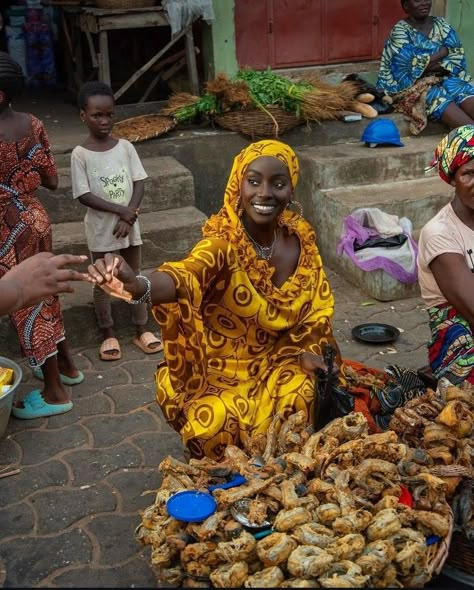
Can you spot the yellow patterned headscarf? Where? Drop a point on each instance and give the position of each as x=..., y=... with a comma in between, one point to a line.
x=225, y=223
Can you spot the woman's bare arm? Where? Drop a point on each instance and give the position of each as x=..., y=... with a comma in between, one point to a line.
x=456, y=282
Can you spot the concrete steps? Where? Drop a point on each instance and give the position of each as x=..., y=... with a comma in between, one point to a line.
x=338, y=179
x=170, y=225
x=354, y=163
x=167, y=235
x=170, y=186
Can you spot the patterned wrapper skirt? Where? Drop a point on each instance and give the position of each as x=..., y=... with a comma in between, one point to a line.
x=451, y=349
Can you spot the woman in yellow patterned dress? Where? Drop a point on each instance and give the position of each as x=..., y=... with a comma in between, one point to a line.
x=245, y=316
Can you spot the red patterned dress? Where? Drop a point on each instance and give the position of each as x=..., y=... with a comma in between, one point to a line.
x=25, y=230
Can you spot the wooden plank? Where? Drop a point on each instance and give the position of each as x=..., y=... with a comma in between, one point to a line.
x=67, y=36
x=131, y=21
x=112, y=11
x=148, y=64
x=90, y=43
x=171, y=71
x=104, y=69
x=191, y=61
x=87, y=22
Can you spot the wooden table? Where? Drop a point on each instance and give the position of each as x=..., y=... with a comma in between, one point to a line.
x=96, y=22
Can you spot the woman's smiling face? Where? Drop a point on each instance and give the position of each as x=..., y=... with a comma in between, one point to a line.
x=266, y=190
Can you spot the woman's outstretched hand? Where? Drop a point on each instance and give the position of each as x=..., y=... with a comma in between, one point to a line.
x=114, y=276
x=310, y=363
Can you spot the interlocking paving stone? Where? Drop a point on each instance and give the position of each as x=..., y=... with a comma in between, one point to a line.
x=15, y=425
x=10, y=452
x=30, y=559
x=57, y=511
x=37, y=445
x=129, y=352
x=91, y=465
x=136, y=573
x=87, y=406
x=143, y=371
x=131, y=484
x=156, y=447
x=110, y=430
x=96, y=382
x=130, y=397
x=30, y=479
x=115, y=535
x=18, y=519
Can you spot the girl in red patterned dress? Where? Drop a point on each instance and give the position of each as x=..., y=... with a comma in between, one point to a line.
x=26, y=163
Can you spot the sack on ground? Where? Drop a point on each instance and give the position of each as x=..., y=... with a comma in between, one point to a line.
x=365, y=224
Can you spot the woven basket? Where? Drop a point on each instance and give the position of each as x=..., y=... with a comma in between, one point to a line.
x=258, y=123
x=124, y=3
x=143, y=127
x=461, y=554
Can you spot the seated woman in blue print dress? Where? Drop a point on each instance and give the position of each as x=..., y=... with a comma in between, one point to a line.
x=423, y=67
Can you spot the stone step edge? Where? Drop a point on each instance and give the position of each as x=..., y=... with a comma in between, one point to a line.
x=430, y=181
x=148, y=222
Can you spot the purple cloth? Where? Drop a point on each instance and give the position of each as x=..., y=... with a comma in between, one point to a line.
x=354, y=232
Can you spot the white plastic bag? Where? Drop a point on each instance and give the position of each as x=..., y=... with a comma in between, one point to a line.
x=181, y=13
x=399, y=262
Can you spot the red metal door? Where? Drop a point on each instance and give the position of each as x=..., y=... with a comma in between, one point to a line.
x=348, y=27
x=388, y=14
x=284, y=33
x=296, y=32
x=251, y=19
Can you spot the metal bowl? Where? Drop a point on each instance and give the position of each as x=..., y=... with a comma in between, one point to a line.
x=240, y=512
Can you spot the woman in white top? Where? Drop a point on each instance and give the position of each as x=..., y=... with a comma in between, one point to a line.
x=446, y=263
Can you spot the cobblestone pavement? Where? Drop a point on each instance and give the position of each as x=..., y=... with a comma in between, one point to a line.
x=68, y=518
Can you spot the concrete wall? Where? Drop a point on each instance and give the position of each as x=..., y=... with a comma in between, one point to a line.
x=460, y=13
x=219, y=41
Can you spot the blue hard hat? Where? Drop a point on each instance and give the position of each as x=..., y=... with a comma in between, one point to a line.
x=381, y=131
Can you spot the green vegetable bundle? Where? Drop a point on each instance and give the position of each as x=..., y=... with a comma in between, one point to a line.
x=267, y=88
x=186, y=107
x=309, y=98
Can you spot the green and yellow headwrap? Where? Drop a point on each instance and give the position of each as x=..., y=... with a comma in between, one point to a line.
x=453, y=151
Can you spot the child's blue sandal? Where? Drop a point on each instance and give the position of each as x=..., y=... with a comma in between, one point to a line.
x=38, y=373
x=35, y=406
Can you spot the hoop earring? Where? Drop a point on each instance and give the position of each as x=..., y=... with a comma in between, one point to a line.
x=238, y=209
x=298, y=205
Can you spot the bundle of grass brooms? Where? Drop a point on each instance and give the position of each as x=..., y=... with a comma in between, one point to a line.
x=262, y=103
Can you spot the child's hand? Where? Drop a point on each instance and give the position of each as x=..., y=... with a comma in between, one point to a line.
x=122, y=229
x=128, y=215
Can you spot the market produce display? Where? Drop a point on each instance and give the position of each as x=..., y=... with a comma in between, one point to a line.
x=257, y=103
x=337, y=508
x=263, y=103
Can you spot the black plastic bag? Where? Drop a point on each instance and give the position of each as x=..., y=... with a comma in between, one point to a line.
x=380, y=242
x=364, y=86
x=330, y=400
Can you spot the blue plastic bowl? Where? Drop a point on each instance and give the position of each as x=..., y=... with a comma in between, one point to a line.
x=191, y=506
